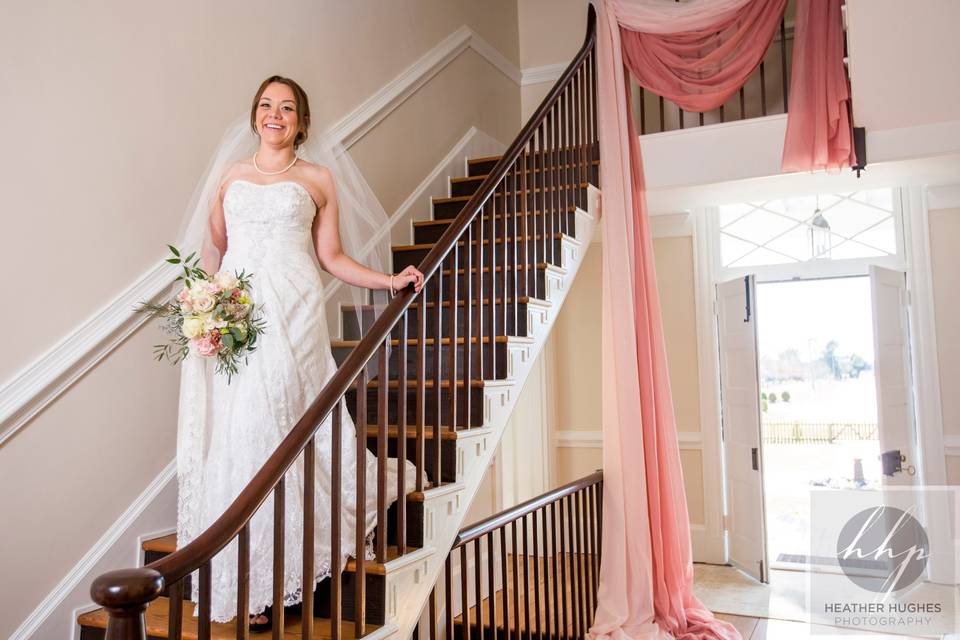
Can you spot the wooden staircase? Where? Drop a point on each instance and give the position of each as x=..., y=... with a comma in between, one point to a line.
x=433, y=380
x=464, y=452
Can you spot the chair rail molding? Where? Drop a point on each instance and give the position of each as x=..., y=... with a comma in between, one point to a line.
x=33, y=388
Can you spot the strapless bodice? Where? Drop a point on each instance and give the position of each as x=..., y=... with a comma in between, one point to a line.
x=267, y=220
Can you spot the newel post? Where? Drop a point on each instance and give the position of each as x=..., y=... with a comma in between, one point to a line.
x=125, y=595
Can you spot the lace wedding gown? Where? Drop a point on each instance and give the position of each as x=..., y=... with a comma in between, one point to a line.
x=268, y=230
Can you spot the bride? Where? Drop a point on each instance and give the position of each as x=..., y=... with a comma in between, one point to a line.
x=277, y=216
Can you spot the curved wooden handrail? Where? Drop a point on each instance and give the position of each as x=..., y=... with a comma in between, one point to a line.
x=507, y=516
x=115, y=588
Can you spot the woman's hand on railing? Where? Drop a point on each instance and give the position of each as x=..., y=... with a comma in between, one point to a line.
x=409, y=275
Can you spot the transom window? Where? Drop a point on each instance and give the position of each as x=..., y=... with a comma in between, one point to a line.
x=861, y=224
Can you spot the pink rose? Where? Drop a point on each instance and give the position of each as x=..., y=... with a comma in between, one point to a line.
x=208, y=345
x=184, y=295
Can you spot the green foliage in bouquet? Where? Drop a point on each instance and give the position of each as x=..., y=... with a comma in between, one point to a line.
x=213, y=316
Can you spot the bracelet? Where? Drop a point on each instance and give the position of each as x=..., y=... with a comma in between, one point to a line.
x=393, y=291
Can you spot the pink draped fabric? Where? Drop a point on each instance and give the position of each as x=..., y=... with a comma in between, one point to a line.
x=819, y=134
x=697, y=54
x=699, y=70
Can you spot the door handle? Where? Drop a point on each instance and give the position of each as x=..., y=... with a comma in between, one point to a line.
x=756, y=459
x=746, y=290
x=891, y=462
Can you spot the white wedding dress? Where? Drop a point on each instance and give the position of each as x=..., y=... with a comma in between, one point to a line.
x=269, y=235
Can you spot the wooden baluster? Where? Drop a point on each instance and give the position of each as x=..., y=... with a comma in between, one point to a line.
x=588, y=555
x=578, y=556
x=279, y=509
x=309, y=519
x=504, y=581
x=492, y=306
x=536, y=574
x=563, y=182
x=175, y=614
x=448, y=594
x=468, y=333
x=743, y=105
x=537, y=188
x=643, y=112
x=383, y=396
x=569, y=581
x=585, y=164
x=516, y=580
x=479, y=321
x=783, y=61
x=509, y=249
x=600, y=520
x=526, y=579
x=336, y=511
x=465, y=594
x=594, y=557
x=402, y=436
x=518, y=257
x=437, y=362
x=547, y=184
x=491, y=586
x=595, y=140
x=557, y=183
x=581, y=139
x=663, y=125
x=561, y=577
x=525, y=251
x=433, y=613
x=763, y=90
x=243, y=583
x=203, y=620
x=421, y=382
x=360, y=574
x=453, y=332
x=578, y=176
x=478, y=584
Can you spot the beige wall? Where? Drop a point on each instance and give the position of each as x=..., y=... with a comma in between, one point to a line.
x=945, y=264
x=903, y=62
x=112, y=111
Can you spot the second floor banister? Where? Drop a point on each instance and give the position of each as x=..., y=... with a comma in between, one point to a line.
x=509, y=228
x=529, y=571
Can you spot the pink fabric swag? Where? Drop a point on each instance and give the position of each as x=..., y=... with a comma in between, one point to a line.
x=697, y=54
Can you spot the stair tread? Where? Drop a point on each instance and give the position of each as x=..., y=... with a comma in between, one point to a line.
x=495, y=158
x=498, y=269
x=168, y=544
x=411, y=342
x=446, y=303
x=551, y=189
x=446, y=433
x=444, y=221
x=481, y=178
x=156, y=620
x=412, y=383
x=430, y=245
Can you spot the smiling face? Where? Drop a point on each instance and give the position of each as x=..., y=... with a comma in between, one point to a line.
x=280, y=115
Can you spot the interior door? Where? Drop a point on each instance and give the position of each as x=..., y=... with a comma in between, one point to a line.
x=742, y=441
x=891, y=343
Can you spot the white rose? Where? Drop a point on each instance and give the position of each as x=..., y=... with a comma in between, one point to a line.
x=204, y=302
x=226, y=280
x=211, y=324
x=192, y=327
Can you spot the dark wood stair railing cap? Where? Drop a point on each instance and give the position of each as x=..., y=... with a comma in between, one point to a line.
x=126, y=587
x=127, y=590
x=507, y=516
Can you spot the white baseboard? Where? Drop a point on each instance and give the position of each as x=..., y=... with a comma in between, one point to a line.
x=153, y=510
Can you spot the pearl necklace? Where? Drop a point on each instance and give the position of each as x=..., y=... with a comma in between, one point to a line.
x=272, y=173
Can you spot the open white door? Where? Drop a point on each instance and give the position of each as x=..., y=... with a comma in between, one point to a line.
x=891, y=342
x=742, y=442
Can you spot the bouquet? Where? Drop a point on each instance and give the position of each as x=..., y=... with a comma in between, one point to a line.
x=212, y=317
